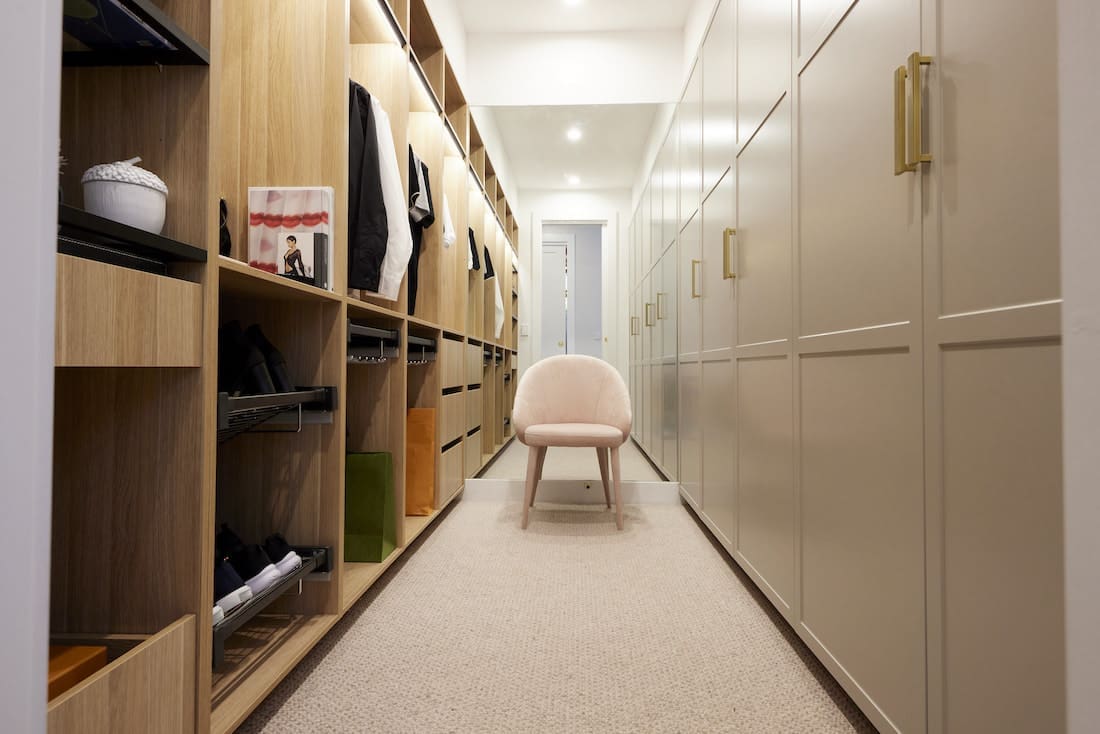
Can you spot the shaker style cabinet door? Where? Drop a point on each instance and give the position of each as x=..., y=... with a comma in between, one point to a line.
x=691, y=146
x=859, y=367
x=719, y=101
x=690, y=252
x=763, y=60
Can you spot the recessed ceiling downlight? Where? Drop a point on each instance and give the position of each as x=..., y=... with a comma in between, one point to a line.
x=574, y=134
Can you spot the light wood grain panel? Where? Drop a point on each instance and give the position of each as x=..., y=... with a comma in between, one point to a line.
x=472, y=449
x=452, y=419
x=450, y=473
x=370, y=23
x=451, y=360
x=455, y=275
x=151, y=688
x=473, y=408
x=475, y=310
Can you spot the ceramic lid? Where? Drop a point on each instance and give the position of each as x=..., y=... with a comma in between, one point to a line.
x=125, y=172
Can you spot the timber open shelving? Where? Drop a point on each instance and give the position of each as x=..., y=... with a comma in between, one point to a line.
x=139, y=458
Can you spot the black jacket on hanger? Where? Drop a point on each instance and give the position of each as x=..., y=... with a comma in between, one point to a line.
x=473, y=251
x=368, y=228
x=489, y=272
x=421, y=217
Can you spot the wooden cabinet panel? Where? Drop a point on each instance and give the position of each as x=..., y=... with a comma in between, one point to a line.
x=150, y=688
x=472, y=449
x=719, y=89
x=862, y=524
x=762, y=256
x=763, y=60
x=717, y=421
x=450, y=473
x=691, y=146
x=691, y=289
x=860, y=226
x=1003, y=590
x=717, y=291
x=690, y=432
x=452, y=419
x=473, y=408
x=474, y=362
x=765, y=476
x=451, y=356
x=994, y=139
x=108, y=316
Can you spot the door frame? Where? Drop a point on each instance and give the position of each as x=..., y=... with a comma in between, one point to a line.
x=609, y=259
x=568, y=243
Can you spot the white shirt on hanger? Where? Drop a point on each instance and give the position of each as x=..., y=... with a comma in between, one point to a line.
x=399, y=242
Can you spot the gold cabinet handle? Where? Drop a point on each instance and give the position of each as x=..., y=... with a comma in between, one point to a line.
x=694, y=293
x=635, y=327
x=660, y=307
x=728, y=238
x=900, y=164
x=648, y=320
x=916, y=138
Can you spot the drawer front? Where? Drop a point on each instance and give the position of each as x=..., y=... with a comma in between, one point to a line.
x=450, y=473
x=452, y=418
x=472, y=446
x=473, y=364
x=473, y=409
x=451, y=354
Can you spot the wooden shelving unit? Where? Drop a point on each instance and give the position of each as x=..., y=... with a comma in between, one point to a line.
x=139, y=462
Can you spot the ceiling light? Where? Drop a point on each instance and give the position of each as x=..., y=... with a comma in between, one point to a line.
x=573, y=180
x=574, y=134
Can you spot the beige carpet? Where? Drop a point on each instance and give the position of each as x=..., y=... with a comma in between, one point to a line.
x=570, y=463
x=568, y=627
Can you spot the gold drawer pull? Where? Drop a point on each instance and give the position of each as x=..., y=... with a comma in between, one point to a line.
x=729, y=236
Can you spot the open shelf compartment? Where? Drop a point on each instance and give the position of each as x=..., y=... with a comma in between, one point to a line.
x=129, y=33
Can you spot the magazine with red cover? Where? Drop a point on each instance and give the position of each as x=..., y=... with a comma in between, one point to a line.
x=282, y=222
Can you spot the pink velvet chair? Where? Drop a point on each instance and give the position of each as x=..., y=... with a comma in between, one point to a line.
x=572, y=400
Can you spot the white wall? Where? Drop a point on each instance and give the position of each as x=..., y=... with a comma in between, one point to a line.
x=30, y=53
x=611, y=206
x=574, y=68
x=585, y=285
x=1079, y=113
x=494, y=146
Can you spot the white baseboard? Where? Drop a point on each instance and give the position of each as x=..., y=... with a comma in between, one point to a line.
x=570, y=492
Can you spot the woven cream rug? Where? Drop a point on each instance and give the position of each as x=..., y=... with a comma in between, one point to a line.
x=567, y=627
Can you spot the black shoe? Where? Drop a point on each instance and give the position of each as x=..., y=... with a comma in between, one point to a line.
x=242, y=369
x=279, y=551
x=226, y=541
x=257, y=570
x=276, y=363
x=229, y=590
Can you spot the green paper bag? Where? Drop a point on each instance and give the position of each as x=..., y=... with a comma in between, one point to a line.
x=370, y=522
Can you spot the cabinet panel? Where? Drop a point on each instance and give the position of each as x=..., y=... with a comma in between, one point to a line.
x=656, y=398
x=859, y=224
x=451, y=358
x=670, y=189
x=762, y=258
x=862, y=523
x=670, y=420
x=718, y=425
x=473, y=364
x=452, y=418
x=765, y=479
x=812, y=16
x=690, y=432
x=668, y=318
x=450, y=473
x=656, y=213
x=717, y=291
x=763, y=60
x=1003, y=591
x=995, y=148
x=719, y=109
x=691, y=288
x=473, y=408
x=472, y=450
x=691, y=146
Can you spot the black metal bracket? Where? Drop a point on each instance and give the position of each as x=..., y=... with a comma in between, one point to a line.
x=236, y=415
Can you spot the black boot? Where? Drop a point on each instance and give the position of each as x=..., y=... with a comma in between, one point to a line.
x=242, y=369
x=276, y=363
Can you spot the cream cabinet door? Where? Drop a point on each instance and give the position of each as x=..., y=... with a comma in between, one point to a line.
x=690, y=431
x=719, y=85
x=645, y=258
x=670, y=190
x=993, y=368
x=670, y=419
x=691, y=289
x=691, y=146
x=763, y=60
x=668, y=307
x=715, y=288
x=859, y=369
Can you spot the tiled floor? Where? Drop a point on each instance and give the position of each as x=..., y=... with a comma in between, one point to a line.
x=565, y=463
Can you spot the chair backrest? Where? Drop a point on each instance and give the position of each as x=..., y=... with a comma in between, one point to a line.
x=571, y=388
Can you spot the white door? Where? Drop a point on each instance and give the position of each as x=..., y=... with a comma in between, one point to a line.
x=555, y=299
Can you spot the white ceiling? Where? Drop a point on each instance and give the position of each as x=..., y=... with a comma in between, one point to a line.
x=557, y=16
x=607, y=156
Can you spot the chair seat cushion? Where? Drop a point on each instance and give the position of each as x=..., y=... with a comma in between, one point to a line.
x=574, y=434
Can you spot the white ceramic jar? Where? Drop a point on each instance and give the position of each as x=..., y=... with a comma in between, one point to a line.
x=126, y=193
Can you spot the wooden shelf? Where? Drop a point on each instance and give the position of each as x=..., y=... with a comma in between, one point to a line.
x=241, y=279
x=256, y=659
x=120, y=45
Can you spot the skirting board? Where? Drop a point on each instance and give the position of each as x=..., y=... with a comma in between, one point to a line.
x=570, y=492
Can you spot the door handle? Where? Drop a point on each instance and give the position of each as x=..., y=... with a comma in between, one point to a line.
x=660, y=307
x=648, y=321
x=908, y=133
x=694, y=294
x=635, y=326
x=729, y=237
x=561, y=344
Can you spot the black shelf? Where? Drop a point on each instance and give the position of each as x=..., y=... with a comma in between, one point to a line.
x=86, y=235
x=314, y=560
x=131, y=39
x=237, y=415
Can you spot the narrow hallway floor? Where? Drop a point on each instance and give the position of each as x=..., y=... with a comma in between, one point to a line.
x=571, y=463
x=570, y=626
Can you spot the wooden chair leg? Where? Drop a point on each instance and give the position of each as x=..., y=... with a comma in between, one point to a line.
x=601, y=454
x=616, y=470
x=538, y=473
x=532, y=480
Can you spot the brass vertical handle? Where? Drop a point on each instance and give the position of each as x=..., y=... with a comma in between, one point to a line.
x=648, y=321
x=727, y=257
x=901, y=164
x=694, y=294
x=660, y=307
x=916, y=154
x=635, y=326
